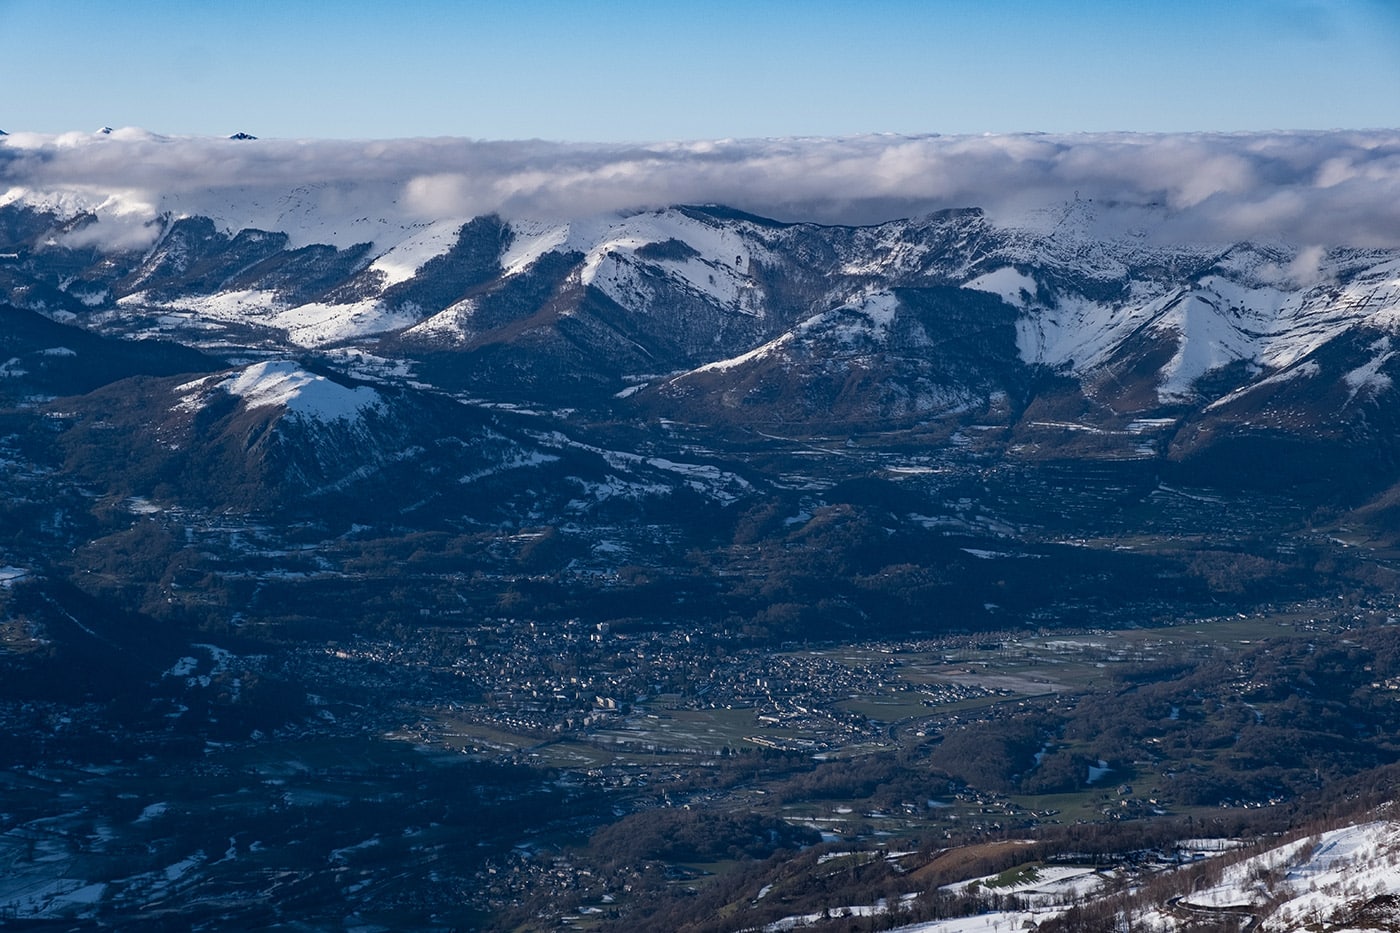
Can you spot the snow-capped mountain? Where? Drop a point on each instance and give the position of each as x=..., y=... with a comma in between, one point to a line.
x=1070, y=328
x=275, y=435
x=701, y=285
x=1345, y=879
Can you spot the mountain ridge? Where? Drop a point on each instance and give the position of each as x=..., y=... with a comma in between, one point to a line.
x=710, y=314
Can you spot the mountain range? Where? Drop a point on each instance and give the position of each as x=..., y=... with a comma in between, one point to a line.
x=1198, y=358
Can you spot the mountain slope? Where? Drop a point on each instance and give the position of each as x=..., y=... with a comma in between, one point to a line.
x=1082, y=343
x=273, y=435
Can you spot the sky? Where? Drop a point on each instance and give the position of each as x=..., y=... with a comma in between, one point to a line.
x=625, y=71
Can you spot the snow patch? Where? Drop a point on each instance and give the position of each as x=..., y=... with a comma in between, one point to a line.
x=757, y=353
x=1368, y=377
x=318, y=323
x=449, y=324
x=871, y=317
x=1011, y=285
x=152, y=812
x=403, y=261
x=284, y=384
x=1310, y=877
x=1304, y=370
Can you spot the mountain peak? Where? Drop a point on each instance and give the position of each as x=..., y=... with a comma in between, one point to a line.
x=284, y=384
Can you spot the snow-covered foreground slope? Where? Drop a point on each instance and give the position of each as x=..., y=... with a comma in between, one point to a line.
x=283, y=384
x=1326, y=878
x=1340, y=881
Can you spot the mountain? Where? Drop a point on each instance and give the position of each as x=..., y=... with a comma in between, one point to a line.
x=43, y=356
x=888, y=357
x=1077, y=342
x=274, y=436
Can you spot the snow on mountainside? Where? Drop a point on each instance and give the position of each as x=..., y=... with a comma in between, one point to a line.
x=313, y=324
x=888, y=354
x=1312, y=880
x=1246, y=307
x=404, y=260
x=1342, y=881
x=285, y=385
x=719, y=310
x=275, y=435
x=639, y=261
x=706, y=257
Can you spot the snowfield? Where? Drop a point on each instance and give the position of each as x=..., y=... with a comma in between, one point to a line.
x=284, y=384
x=1310, y=878
x=1309, y=884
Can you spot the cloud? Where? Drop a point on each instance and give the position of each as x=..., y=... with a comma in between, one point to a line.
x=1337, y=188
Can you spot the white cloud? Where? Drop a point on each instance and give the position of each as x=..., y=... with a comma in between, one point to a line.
x=1339, y=188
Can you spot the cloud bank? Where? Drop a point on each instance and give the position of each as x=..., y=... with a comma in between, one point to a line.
x=1334, y=188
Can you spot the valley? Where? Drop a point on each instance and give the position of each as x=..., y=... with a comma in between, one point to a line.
x=496, y=761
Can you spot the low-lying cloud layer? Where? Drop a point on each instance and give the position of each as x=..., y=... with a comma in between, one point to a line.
x=1333, y=188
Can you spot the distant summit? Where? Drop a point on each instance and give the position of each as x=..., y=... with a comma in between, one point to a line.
x=242, y=136
x=104, y=131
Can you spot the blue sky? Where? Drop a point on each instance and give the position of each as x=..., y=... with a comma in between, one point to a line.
x=647, y=71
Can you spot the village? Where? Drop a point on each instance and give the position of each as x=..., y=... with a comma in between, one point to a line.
x=522, y=688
